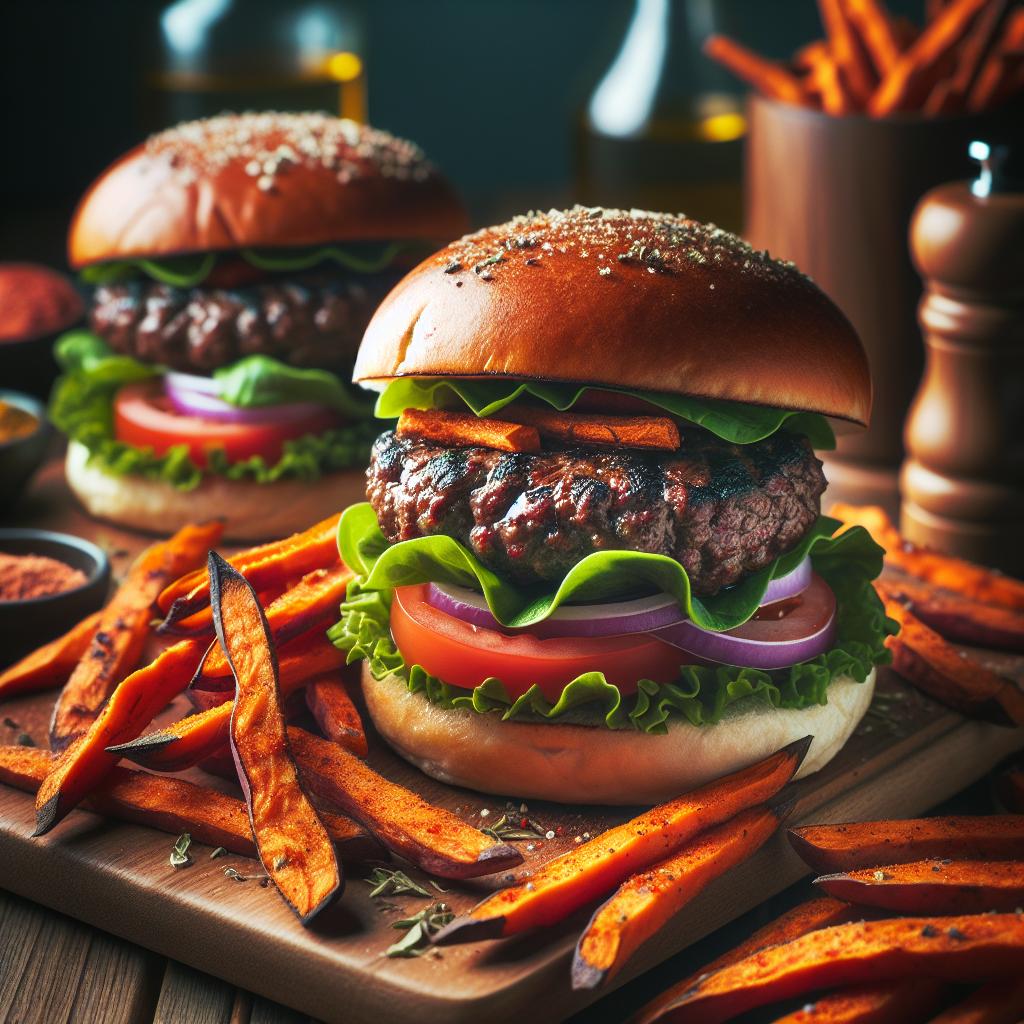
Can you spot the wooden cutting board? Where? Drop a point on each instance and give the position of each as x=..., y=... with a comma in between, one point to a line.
x=119, y=878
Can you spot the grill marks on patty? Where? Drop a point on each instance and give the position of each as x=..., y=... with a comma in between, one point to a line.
x=311, y=320
x=721, y=510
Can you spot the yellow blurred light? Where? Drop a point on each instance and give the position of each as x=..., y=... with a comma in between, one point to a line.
x=344, y=66
x=722, y=127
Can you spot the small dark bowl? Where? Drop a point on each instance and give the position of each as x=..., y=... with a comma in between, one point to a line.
x=25, y=625
x=22, y=456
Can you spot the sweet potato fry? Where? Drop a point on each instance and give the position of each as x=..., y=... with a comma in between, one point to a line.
x=51, y=664
x=120, y=634
x=885, y=1002
x=922, y=657
x=431, y=837
x=938, y=886
x=907, y=85
x=1003, y=72
x=265, y=567
x=971, y=56
x=998, y=1002
x=852, y=59
x=196, y=737
x=764, y=75
x=865, y=844
x=944, y=571
x=456, y=428
x=959, y=618
x=313, y=601
x=174, y=805
x=822, y=912
x=328, y=700
x=291, y=840
x=877, y=31
x=658, y=432
x=646, y=901
x=956, y=949
x=131, y=707
x=826, y=82
x=585, y=874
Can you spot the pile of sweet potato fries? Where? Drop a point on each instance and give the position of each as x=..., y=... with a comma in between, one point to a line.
x=242, y=637
x=851, y=961
x=938, y=599
x=969, y=56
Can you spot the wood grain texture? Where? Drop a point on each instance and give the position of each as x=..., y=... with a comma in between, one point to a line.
x=55, y=970
x=117, y=876
x=190, y=995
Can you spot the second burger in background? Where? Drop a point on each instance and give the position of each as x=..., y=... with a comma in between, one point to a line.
x=237, y=261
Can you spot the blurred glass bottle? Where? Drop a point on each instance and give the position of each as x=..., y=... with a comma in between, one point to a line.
x=663, y=128
x=217, y=55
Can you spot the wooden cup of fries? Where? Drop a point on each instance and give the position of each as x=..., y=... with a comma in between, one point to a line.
x=843, y=140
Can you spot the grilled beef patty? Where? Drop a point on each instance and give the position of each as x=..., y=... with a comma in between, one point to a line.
x=722, y=510
x=313, y=320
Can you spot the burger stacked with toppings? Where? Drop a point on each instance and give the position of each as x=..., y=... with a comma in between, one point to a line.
x=593, y=567
x=236, y=263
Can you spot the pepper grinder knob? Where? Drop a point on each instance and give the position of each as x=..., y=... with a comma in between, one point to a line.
x=962, y=482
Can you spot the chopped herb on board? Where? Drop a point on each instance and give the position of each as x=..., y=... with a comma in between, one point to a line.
x=387, y=882
x=420, y=927
x=179, y=855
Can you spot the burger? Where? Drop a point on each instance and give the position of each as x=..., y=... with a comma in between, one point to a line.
x=592, y=567
x=236, y=262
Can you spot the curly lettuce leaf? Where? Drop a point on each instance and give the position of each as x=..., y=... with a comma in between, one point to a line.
x=701, y=696
x=81, y=405
x=190, y=270
x=735, y=422
x=600, y=576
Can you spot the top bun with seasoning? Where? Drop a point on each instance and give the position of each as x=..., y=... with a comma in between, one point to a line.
x=634, y=299
x=262, y=180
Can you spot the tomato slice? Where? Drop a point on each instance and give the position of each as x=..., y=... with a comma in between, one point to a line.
x=145, y=418
x=465, y=655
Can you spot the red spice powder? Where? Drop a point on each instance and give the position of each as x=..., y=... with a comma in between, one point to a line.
x=27, y=576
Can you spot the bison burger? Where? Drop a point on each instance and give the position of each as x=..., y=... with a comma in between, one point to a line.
x=593, y=567
x=237, y=261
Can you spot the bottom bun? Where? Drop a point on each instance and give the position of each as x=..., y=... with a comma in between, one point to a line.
x=252, y=511
x=585, y=765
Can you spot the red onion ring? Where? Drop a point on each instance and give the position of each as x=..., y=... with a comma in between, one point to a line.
x=642, y=615
x=197, y=396
x=746, y=647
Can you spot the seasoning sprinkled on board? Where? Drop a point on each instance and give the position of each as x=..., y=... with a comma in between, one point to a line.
x=652, y=243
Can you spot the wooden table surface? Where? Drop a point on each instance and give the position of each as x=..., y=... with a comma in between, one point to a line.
x=54, y=968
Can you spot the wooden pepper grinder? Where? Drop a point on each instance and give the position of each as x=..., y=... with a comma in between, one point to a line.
x=962, y=482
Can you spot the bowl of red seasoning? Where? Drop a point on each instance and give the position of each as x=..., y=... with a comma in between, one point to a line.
x=49, y=582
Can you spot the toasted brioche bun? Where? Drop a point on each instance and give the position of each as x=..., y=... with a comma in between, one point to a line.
x=253, y=180
x=629, y=300
x=251, y=511
x=586, y=765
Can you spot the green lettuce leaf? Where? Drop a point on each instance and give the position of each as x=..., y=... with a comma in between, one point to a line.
x=600, y=576
x=736, y=422
x=262, y=380
x=702, y=695
x=191, y=270
x=81, y=405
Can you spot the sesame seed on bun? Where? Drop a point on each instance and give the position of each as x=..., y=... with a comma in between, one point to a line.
x=262, y=179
